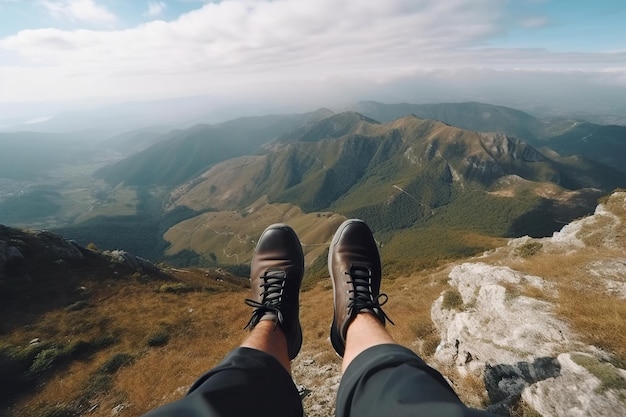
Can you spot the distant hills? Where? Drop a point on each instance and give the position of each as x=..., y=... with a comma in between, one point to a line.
x=434, y=180
x=605, y=144
x=184, y=153
x=25, y=155
x=471, y=116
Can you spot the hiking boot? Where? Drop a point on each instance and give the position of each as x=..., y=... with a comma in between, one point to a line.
x=354, y=266
x=275, y=276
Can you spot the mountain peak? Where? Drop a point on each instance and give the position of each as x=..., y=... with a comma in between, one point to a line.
x=331, y=127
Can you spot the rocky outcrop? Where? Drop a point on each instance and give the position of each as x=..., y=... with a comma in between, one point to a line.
x=495, y=324
x=500, y=324
x=133, y=262
x=515, y=342
x=22, y=251
x=499, y=145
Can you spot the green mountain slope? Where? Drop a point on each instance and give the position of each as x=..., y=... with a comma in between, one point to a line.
x=412, y=180
x=431, y=190
x=183, y=154
x=603, y=144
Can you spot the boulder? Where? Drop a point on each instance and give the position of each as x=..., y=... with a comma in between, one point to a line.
x=133, y=262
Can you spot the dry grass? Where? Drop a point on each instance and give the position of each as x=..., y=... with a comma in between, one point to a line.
x=232, y=238
x=597, y=317
x=472, y=390
x=201, y=327
x=522, y=409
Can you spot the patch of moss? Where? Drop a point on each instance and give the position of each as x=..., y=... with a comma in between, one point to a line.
x=159, y=338
x=604, y=371
x=115, y=362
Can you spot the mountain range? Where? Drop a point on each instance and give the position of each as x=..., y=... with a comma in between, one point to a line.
x=413, y=179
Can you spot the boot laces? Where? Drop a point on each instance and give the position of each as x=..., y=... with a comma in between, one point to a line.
x=271, y=296
x=361, y=297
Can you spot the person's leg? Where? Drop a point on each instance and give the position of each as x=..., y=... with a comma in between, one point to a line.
x=255, y=379
x=269, y=338
x=379, y=377
x=365, y=331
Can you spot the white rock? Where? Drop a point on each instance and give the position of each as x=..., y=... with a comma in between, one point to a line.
x=573, y=393
x=494, y=327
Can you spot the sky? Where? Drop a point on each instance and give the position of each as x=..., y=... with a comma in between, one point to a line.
x=311, y=52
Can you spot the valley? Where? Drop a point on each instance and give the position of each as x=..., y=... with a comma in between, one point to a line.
x=64, y=195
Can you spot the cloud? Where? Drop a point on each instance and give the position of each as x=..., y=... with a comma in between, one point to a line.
x=280, y=49
x=79, y=10
x=155, y=8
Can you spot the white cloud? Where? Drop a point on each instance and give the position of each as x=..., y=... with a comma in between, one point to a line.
x=79, y=10
x=279, y=48
x=155, y=8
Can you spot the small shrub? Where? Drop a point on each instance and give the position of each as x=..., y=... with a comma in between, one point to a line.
x=175, y=288
x=159, y=338
x=78, y=349
x=23, y=357
x=452, y=300
x=104, y=341
x=116, y=362
x=98, y=383
x=78, y=305
x=45, y=360
x=605, y=372
x=528, y=249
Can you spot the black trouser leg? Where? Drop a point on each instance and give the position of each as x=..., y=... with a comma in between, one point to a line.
x=390, y=380
x=247, y=382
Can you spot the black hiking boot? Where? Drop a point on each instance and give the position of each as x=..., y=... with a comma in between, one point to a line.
x=354, y=266
x=275, y=276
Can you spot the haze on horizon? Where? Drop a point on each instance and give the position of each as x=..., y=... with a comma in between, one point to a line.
x=299, y=54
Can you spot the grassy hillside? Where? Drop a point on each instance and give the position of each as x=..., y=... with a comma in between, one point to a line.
x=604, y=144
